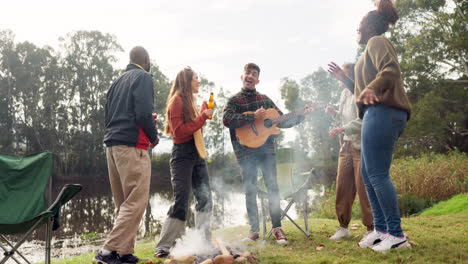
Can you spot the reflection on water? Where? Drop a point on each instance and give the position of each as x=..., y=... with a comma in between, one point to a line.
x=91, y=214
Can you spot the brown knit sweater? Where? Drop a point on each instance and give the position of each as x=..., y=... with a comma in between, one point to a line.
x=378, y=69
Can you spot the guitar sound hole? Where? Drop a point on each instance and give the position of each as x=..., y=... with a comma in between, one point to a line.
x=267, y=123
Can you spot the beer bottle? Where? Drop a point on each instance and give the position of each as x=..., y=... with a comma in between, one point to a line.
x=210, y=104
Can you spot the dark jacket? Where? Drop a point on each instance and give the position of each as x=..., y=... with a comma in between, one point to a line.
x=129, y=106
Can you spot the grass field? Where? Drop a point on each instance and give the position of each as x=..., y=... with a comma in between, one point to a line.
x=434, y=239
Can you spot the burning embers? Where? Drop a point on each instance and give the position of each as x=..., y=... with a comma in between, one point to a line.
x=220, y=255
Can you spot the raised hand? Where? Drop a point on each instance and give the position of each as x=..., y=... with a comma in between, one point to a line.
x=155, y=118
x=208, y=112
x=335, y=131
x=309, y=108
x=155, y=143
x=260, y=113
x=336, y=71
x=330, y=110
x=368, y=97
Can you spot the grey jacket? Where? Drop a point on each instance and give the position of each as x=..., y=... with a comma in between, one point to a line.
x=348, y=117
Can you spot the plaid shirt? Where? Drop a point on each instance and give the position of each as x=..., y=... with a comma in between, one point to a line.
x=249, y=101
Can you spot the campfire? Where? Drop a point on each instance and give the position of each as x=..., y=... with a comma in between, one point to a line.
x=224, y=255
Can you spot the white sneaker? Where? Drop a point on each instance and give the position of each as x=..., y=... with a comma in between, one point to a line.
x=371, y=239
x=341, y=233
x=390, y=242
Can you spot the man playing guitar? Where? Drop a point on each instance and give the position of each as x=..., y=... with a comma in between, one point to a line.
x=242, y=110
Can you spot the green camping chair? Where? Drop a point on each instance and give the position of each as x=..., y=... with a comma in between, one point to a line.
x=23, y=182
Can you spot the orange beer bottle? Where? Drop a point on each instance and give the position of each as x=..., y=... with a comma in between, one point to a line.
x=210, y=104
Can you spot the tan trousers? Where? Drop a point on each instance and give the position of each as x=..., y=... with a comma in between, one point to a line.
x=129, y=175
x=348, y=181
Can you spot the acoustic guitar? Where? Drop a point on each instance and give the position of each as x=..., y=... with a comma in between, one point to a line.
x=255, y=134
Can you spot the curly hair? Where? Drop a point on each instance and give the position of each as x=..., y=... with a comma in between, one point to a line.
x=385, y=15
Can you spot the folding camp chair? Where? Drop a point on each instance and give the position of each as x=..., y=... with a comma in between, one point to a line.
x=23, y=182
x=299, y=195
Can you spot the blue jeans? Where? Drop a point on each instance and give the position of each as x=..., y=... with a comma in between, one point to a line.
x=267, y=163
x=381, y=127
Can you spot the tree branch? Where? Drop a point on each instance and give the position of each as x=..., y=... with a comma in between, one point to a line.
x=459, y=10
x=448, y=63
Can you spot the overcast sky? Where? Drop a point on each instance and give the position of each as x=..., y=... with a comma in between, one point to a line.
x=286, y=38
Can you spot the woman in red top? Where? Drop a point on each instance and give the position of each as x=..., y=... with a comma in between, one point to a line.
x=188, y=169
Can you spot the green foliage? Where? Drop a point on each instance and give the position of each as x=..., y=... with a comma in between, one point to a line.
x=313, y=133
x=290, y=91
x=89, y=236
x=431, y=40
x=54, y=99
x=439, y=122
x=225, y=168
x=433, y=177
x=435, y=30
x=216, y=135
x=412, y=205
x=455, y=205
x=419, y=182
x=162, y=87
x=160, y=163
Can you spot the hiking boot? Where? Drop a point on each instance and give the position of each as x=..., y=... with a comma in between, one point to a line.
x=341, y=233
x=372, y=239
x=161, y=253
x=129, y=259
x=392, y=242
x=111, y=258
x=280, y=236
x=253, y=236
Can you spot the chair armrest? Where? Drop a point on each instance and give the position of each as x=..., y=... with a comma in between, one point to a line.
x=66, y=194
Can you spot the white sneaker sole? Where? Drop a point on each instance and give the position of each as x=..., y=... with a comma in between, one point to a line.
x=248, y=240
x=99, y=261
x=282, y=242
x=402, y=246
x=362, y=245
x=339, y=238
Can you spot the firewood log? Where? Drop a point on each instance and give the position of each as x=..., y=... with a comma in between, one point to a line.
x=222, y=247
x=184, y=259
x=246, y=254
x=207, y=261
x=241, y=260
x=222, y=259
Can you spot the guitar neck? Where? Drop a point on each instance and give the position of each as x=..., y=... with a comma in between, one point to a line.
x=286, y=117
x=294, y=114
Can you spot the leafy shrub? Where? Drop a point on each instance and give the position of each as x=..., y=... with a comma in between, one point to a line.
x=434, y=177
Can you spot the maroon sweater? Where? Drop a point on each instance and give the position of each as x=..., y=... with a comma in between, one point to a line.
x=181, y=131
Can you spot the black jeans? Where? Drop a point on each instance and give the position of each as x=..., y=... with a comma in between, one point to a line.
x=188, y=171
x=267, y=163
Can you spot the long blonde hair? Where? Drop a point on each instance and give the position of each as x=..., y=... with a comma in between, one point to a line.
x=182, y=86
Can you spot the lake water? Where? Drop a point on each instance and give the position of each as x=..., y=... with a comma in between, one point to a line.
x=91, y=214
